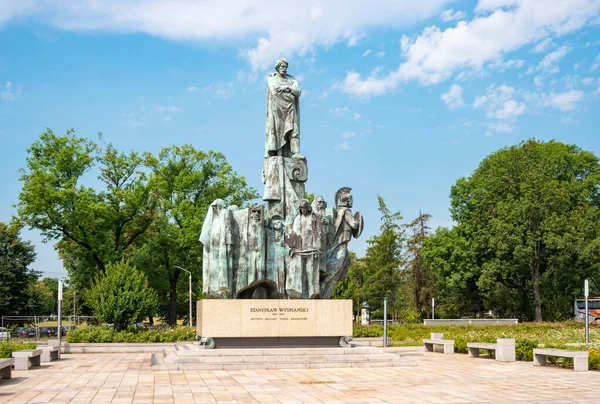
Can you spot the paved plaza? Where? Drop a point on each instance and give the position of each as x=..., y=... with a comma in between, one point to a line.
x=437, y=378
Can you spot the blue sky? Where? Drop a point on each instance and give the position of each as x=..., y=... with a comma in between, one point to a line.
x=400, y=98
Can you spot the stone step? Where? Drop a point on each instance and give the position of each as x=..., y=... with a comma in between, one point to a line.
x=157, y=365
x=192, y=350
x=193, y=358
x=282, y=359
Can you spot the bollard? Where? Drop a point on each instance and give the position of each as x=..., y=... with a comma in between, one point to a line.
x=385, y=322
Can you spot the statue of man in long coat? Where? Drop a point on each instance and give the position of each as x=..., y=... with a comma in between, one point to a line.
x=283, y=113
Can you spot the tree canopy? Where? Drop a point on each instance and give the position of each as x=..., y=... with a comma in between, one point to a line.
x=17, y=278
x=528, y=230
x=144, y=207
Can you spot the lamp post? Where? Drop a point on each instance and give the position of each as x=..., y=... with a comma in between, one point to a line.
x=59, y=328
x=190, y=297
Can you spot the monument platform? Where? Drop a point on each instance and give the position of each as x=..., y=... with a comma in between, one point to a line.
x=261, y=323
x=188, y=356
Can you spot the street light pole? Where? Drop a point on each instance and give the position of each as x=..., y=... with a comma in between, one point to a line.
x=190, y=287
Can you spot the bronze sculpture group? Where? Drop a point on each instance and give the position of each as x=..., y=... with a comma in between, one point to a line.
x=288, y=249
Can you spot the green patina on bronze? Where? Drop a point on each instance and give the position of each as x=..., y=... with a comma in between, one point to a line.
x=287, y=248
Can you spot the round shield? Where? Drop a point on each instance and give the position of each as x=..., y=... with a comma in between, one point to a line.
x=361, y=224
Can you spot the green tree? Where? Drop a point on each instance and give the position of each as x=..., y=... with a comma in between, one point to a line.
x=532, y=213
x=383, y=260
x=92, y=228
x=419, y=282
x=46, y=296
x=17, y=278
x=185, y=181
x=122, y=295
x=352, y=287
x=455, y=270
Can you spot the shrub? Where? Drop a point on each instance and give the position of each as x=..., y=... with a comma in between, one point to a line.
x=524, y=349
x=7, y=348
x=361, y=331
x=137, y=335
x=122, y=296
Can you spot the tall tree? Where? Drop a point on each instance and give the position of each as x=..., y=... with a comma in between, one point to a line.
x=532, y=211
x=455, y=269
x=91, y=228
x=185, y=182
x=353, y=286
x=383, y=260
x=419, y=284
x=17, y=278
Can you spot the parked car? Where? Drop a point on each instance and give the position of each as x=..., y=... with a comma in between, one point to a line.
x=16, y=333
x=30, y=332
x=48, y=331
x=3, y=333
x=23, y=332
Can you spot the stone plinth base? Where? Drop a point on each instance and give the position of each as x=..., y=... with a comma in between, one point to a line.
x=271, y=322
x=277, y=342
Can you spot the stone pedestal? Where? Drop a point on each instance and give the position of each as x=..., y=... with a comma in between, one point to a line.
x=273, y=322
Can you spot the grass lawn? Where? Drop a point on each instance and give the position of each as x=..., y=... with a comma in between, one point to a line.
x=527, y=336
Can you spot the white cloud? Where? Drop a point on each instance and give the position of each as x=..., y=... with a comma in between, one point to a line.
x=451, y=15
x=339, y=111
x=501, y=127
x=347, y=135
x=499, y=103
x=277, y=28
x=596, y=63
x=354, y=38
x=509, y=110
x=453, y=98
x=342, y=146
x=588, y=81
x=548, y=64
x=501, y=27
x=366, y=53
x=167, y=108
x=356, y=116
x=223, y=93
x=543, y=46
x=191, y=89
x=566, y=101
x=9, y=93
x=500, y=64
x=565, y=120
x=380, y=54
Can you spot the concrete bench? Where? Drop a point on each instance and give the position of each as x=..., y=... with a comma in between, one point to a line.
x=504, y=347
x=437, y=338
x=26, y=359
x=50, y=353
x=6, y=368
x=580, y=358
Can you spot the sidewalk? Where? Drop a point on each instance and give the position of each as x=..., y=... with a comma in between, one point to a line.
x=438, y=378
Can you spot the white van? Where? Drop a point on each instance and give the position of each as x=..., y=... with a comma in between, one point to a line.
x=3, y=333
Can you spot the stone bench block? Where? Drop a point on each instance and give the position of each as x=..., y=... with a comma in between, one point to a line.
x=50, y=353
x=580, y=358
x=27, y=358
x=6, y=368
x=448, y=345
x=504, y=347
